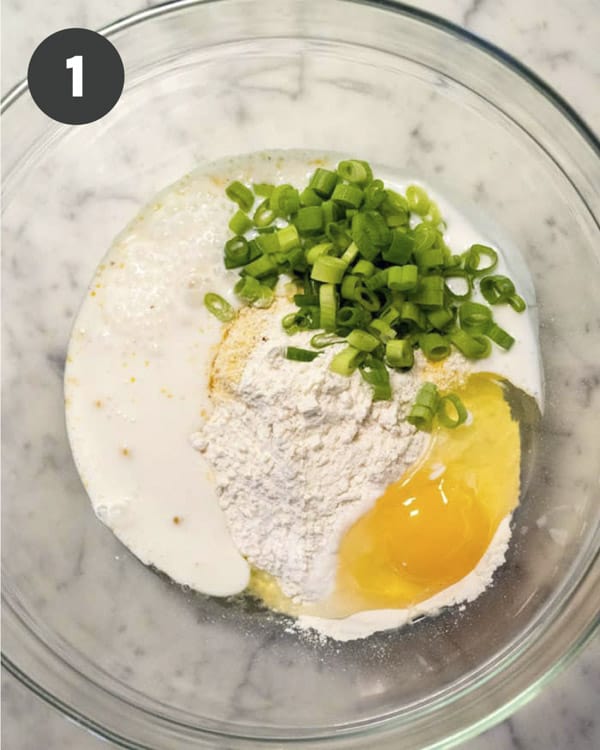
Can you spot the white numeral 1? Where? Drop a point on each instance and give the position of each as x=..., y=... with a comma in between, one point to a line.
x=76, y=65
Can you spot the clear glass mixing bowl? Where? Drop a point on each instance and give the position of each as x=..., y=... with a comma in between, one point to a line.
x=116, y=646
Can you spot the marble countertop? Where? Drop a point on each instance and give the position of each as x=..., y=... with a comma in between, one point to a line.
x=561, y=46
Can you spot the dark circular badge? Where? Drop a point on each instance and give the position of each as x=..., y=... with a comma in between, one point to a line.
x=76, y=76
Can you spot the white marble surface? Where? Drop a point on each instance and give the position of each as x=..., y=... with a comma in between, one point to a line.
x=560, y=47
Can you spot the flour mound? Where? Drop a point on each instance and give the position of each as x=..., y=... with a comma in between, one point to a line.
x=300, y=453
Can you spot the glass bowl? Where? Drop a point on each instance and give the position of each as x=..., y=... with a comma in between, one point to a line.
x=121, y=649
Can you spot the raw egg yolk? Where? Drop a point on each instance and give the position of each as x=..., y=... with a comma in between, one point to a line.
x=431, y=528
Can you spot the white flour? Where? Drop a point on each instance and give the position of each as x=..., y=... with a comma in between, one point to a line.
x=299, y=454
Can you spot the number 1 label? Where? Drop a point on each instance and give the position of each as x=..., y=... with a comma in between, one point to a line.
x=76, y=65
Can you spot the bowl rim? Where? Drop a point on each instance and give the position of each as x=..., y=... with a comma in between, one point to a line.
x=587, y=632
x=396, y=6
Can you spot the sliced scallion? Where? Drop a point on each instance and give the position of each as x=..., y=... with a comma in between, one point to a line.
x=451, y=411
x=435, y=346
x=474, y=317
x=322, y=340
x=240, y=222
x=240, y=194
x=473, y=258
x=323, y=182
x=346, y=361
x=328, y=306
x=300, y=355
x=363, y=341
x=219, y=307
x=399, y=353
x=499, y=336
x=354, y=170
x=328, y=269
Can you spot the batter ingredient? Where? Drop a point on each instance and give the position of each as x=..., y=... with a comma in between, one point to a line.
x=299, y=454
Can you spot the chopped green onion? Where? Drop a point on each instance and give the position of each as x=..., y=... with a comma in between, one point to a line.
x=309, y=220
x=440, y=318
x=363, y=341
x=496, y=289
x=264, y=189
x=428, y=396
x=374, y=372
x=400, y=248
x=346, y=361
x=411, y=313
x=308, y=197
x=219, y=307
x=355, y=171
x=328, y=306
x=265, y=297
x=337, y=233
x=517, y=303
x=367, y=299
x=435, y=216
x=399, y=353
x=364, y=268
x=382, y=329
x=323, y=248
x=240, y=194
x=240, y=222
x=370, y=233
x=394, y=209
x=435, y=347
x=473, y=347
x=264, y=214
x=350, y=317
x=350, y=254
x=295, y=259
x=323, y=182
x=432, y=258
x=499, y=336
x=473, y=259
x=303, y=320
x=288, y=321
x=260, y=267
x=268, y=243
x=345, y=236
x=424, y=236
x=417, y=199
x=446, y=418
x=321, y=340
x=430, y=292
x=284, y=200
x=458, y=273
x=374, y=195
x=306, y=300
x=287, y=238
x=420, y=417
x=378, y=280
x=348, y=196
x=237, y=252
x=350, y=286
x=328, y=269
x=391, y=315
x=474, y=317
x=402, y=278
x=248, y=289
x=331, y=213
x=300, y=355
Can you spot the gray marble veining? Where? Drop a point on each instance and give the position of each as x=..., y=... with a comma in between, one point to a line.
x=564, y=715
